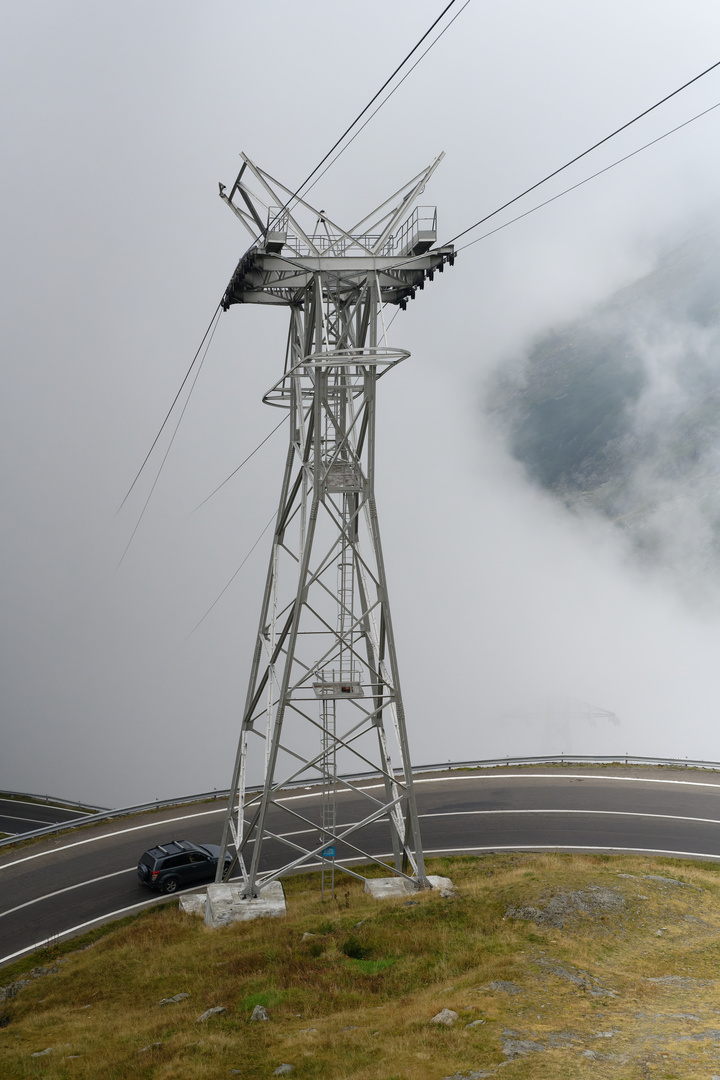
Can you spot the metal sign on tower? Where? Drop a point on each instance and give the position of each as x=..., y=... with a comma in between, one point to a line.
x=324, y=703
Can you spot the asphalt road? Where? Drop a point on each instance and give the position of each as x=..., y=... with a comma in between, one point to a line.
x=19, y=816
x=64, y=885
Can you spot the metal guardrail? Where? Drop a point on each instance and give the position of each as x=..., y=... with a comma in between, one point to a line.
x=110, y=815
x=601, y=759
x=51, y=800
x=488, y=763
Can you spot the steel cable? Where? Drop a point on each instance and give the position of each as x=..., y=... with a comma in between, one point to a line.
x=584, y=153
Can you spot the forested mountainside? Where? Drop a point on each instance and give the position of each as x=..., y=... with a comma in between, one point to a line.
x=618, y=413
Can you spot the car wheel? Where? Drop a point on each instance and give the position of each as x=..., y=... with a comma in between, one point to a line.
x=170, y=885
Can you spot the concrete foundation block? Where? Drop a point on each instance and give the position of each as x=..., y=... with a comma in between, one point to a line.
x=193, y=903
x=388, y=888
x=224, y=904
x=444, y=884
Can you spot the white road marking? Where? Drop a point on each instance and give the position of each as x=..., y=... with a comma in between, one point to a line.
x=566, y=776
x=471, y=813
x=515, y=776
x=35, y=821
x=570, y=847
x=69, y=888
x=611, y=813
x=106, y=836
x=74, y=929
x=439, y=814
x=389, y=855
x=370, y=787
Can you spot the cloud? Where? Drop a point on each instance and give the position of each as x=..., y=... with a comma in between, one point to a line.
x=617, y=413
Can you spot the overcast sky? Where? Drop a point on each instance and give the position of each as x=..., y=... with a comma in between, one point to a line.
x=118, y=121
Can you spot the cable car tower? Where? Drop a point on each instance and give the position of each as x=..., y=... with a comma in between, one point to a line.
x=324, y=702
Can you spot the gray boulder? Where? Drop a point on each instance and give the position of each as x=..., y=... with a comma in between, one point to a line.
x=446, y=1017
x=259, y=1013
x=217, y=1011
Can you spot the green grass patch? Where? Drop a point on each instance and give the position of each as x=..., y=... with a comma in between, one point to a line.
x=268, y=998
x=372, y=967
x=354, y=948
x=354, y=1000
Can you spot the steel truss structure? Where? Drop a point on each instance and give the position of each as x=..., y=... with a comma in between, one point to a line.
x=324, y=699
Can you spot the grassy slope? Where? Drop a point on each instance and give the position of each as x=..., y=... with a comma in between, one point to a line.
x=370, y=1017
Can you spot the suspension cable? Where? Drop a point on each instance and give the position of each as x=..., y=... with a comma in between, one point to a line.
x=251, y=454
x=362, y=112
x=174, y=402
x=225, y=589
x=584, y=153
x=172, y=438
x=587, y=179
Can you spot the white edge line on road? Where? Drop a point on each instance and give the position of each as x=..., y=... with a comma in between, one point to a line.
x=514, y=776
x=34, y=821
x=471, y=813
x=368, y=787
x=571, y=847
x=440, y=814
x=80, y=926
x=611, y=813
x=106, y=836
x=388, y=855
x=565, y=776
x=68, y=888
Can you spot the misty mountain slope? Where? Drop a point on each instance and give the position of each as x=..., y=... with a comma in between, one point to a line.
x=618, y=413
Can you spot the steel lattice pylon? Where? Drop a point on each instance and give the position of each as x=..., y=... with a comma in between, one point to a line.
x=324, y=700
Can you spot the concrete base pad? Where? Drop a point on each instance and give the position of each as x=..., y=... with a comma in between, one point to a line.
x=444, y=884
x=387, y=888
x=193, y=903
x=225, y=905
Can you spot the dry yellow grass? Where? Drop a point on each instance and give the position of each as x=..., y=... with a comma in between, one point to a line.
x=369, y=1018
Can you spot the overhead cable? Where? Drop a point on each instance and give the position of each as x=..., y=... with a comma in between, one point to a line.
x=225, y=589
x=162, y=426
x=589, y=150
x=591, y=177
x=297, y=192
x=251, y=454
x=386, y=99
x=408, y=260
x=172, y=438
x=369, y=105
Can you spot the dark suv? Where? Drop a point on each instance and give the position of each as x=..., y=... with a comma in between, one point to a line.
x=180, y=863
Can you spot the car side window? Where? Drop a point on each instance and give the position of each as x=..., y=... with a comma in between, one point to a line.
x=175, y=861
x=197, y=857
